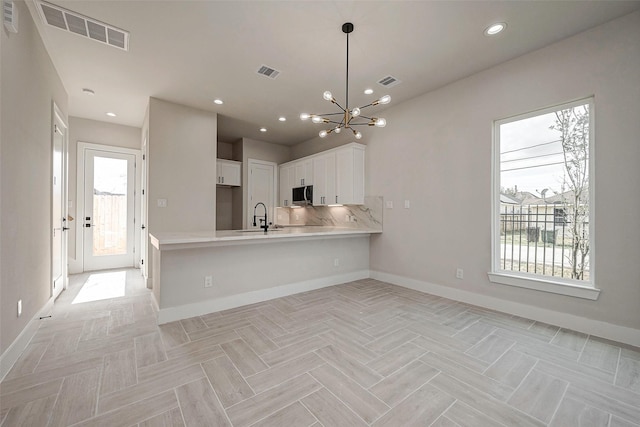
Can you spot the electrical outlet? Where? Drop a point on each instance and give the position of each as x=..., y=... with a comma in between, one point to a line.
x=208, y=281
x=19, y=307
x=407, y=204
x=162, y=203
x=336, y=262
x=389, y=204
x=459, y=273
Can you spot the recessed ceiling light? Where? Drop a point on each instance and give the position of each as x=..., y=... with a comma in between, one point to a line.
x=494, y=29
x=88, y=92
x=368, y=91
x=263, y=129
x=282, y=119
x=218, y=101
x=110, y=114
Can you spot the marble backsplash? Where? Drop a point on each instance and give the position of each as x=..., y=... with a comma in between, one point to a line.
x=367, y=216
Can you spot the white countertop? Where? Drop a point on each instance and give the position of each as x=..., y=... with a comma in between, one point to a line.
x=164, y=240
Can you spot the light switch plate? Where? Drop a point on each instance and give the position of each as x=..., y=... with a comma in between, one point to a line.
x=389, y=204
x=407, y=204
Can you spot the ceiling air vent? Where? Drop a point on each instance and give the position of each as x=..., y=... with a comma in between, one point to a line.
x=76, y=23
x=10, y=13
x=388, y=81
x=268, y=72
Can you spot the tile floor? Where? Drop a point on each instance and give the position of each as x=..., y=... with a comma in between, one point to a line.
x=363, y=353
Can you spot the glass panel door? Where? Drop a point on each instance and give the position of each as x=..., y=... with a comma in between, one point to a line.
x=109, y=210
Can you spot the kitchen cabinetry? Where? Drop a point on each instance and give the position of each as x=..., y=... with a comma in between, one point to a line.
x=337, y=176
x=324, y=179
x=228, y=172
x=350, y=175
x=287, y=182
x=294, y=174
x=303, y=172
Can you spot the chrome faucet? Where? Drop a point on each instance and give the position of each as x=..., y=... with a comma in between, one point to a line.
x=264, y=222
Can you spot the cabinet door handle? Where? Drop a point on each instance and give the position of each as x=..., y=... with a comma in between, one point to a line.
x=223, y=179
x=336, y=199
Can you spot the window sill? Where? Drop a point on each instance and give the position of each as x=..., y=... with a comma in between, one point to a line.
x=545, y=285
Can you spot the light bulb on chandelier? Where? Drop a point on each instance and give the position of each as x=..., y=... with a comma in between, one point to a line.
x=348, y=116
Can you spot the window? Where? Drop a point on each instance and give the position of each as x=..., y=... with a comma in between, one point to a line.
x=542, y=236
x=559, y=217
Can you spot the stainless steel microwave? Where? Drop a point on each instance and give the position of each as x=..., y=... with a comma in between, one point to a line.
x=302, y=196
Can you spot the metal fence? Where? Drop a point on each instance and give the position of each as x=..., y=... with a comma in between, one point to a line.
x=538, y=239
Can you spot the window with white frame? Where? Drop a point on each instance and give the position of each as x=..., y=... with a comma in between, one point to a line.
x=543, y=211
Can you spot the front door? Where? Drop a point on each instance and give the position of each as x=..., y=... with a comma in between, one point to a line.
x=109, y=209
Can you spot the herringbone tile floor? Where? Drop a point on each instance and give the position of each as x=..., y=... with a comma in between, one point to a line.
x=363, y=353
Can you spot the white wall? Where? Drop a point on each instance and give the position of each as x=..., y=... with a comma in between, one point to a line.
x=182, y=167
x=181, y=159
x=245, y=273
x=224, y=208
x=96, y=132
x=436, y=152
x=29, y=86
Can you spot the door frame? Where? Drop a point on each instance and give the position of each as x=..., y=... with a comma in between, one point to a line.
x=80, y=160
x=144, y=212
x=58, y=117
x=274, y=185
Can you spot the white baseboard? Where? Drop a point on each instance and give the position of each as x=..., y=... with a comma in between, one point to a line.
x=11, y=354
x=171, y=314
x=585, y=325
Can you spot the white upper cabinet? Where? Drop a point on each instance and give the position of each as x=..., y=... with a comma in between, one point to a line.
x=287, y=182
x=303, y=172
x=324, y=179
x=337, y=176
x=350, y=175
x=229, y=173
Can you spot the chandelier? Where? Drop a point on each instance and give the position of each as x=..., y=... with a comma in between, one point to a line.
x=348, y=118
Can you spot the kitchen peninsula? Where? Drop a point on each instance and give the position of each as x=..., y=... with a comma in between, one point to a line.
x=244, y=267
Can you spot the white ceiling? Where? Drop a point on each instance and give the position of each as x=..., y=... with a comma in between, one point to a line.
x=191, y=52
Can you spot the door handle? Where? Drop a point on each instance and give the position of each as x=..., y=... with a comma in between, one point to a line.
x=143, y=227
x=65, y=228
